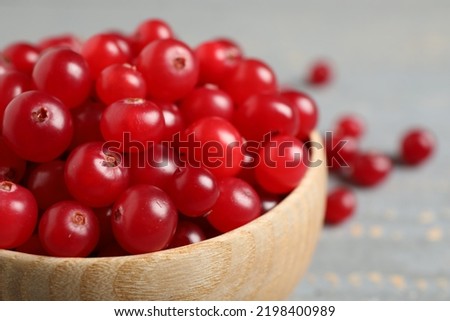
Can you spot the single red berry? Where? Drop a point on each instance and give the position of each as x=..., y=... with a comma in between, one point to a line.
x=193, y=190
x=12, y=84
x=86, y=123
x=213, y=143
x=12, y=167
x=170, y=69
x=154, y=167
x=206, y=102
x=149, y=31
x=320, y=73
x=268, y=200
x=187, y=232
x=18, y=215
x=69, y=229
x=37, y=126
x=250, y=77
x=94, y=175
x=173, y=120
x=120, y=81
x=238, y=204
x=23, y=56
x=283, y=163
x=103, y=50
x=46, y=182
x=68, y=40
x=417, y=146
x=341, y=151
x=140, y=119
x=341, y=204
x=144, y=219
x=4, y=66
x=370, y=168
x=350, y=126
x=217, y=59
x=265, y=114
x=307, y=112
x=64, y=74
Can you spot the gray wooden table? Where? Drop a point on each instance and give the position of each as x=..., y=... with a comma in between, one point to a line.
x=392, y=63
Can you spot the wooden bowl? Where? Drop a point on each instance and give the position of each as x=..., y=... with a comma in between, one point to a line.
x=263, y=260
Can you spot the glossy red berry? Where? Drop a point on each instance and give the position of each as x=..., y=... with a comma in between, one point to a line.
x=18, y=215
x=350, y=125
x=205, y=102
x=307, y=111
x=12, y=84
x=173, y=120
x=417, y=146
x=238, y=204
x=250, y=77
x=140, y=119
x=46, y=182
x=214, y=143
x=94, y=175
x=268, y=200
x=341, y=204
x=193, y=190
x=341, y=152
x=144, y=219
x=283, y=163
x=265, y=114
x=170, y=69
x=217, y=59
x=4, y=66
x=37, y=126
x=149, y=31
x=12, y=167
x=68, y=40
x=187, y=233
x=69, y=229
x=23, y=56
x=86, y=123
x=320, y=73
x=370, y=168
x=64, y=74
x=103, y=50
x=118, y=82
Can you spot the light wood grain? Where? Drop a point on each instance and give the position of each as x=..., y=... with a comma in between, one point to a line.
x=263, y=260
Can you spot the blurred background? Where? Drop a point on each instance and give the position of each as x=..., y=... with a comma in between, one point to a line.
x=391, y=61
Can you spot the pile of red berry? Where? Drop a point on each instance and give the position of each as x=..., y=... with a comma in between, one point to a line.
x=136, y=143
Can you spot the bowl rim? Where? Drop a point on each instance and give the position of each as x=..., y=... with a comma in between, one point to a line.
x=268, y=216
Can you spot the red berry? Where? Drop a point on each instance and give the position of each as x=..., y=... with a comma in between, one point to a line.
x=86, y=123
x=37, y=126
x=187, y=233
x=149, y=31
x=205, y=102
x=118, y=82
x=266, y=114
x=103, y=50
x=417, y=146
x=341, y=151
x=12, y=167
x=217, y=59
x=141, y=119
x=12, y=84
x=370, y=169
x=173, y=120
x=94, y=175
x=23, y=56
x=350, y=126
x=70, y=41
x=283, y=163
x=18, y=215
x=144, y=219
x=64, y=74
x=193, y=190
x=250, y=77
x=214, y=143
x=46, y=182
x=170, y=69
x=268, y=200
x=69, y=229
x=341, y=204
x=4, y=66
x=238, y=204
x=320, y=73
x=307, y=111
